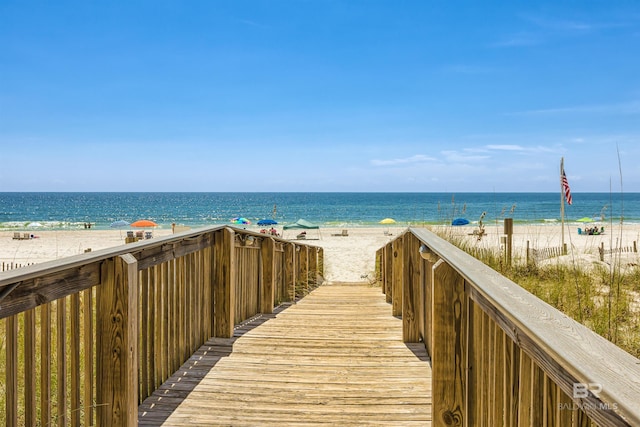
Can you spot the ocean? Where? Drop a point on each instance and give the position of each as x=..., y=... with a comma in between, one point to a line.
x=74, y=210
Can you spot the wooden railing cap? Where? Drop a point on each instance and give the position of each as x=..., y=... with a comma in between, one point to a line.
x=580, y=352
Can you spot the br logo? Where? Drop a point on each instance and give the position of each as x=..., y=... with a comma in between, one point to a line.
x=581, y=390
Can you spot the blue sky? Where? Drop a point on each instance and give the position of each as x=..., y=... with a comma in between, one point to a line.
x=324, y=95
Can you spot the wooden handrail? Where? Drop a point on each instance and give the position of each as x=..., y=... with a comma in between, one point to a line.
x=500, y=355
x=125, y=318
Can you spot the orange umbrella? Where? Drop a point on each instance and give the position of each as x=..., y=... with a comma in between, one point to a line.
x=143, y=223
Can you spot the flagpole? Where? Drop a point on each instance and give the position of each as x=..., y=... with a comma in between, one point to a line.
x=562, y=198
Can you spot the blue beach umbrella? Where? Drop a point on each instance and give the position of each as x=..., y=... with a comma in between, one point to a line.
x=267, y=222
x=118, y=224
x=460, y=221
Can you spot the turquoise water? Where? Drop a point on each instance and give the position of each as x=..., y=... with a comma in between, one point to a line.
x=73, y=210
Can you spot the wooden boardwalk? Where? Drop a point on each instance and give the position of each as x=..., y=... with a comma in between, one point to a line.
x=334, y=358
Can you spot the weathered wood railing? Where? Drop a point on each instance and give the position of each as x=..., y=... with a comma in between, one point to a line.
x=501, y=356
x=89, y=337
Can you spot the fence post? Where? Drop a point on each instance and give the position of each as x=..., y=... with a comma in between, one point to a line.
x=224, y=283
x=117, y=346
x=303, y=268
x=267, y=284
x=411, y=290
x=448, y=358
x=313, y=266
x=396, y=285
x=601, y=250
x=290, y=269
x=388, y=272
x=508, y=230
x=379, y=269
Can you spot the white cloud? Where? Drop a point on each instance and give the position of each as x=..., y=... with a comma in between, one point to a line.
x=506, y=147
x=418, y=158
x=459, y=157
x=624, y=108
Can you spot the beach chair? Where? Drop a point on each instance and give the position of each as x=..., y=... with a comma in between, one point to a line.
x=139, y=235
x=343, y=233
x=27, y=236
x=579, y=230
x=16, y=236
x=148, y=234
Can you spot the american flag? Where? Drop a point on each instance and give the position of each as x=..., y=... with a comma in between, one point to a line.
x=566, y=189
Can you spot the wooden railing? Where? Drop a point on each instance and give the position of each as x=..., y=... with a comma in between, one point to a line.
x=89, y=337
x=500, y=356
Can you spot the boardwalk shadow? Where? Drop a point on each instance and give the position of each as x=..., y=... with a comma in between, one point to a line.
x=420, y=351
x=158, y=407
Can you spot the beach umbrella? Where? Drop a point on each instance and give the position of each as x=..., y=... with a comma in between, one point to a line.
x=240, y=220
x=34, y=224
x=267, y=222
x=460, y=221
x=585, y=219
x=388, y=221
x=143, y=223
x=119, y=223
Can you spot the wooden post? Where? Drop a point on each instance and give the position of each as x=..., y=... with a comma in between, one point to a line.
x=320, y=268
x=601, y=251
x=224, y=284
x=45, y=374
x=508, y=230
x=428, y=259
x=448, y=359
x=267, y=284
x=30, y=368
x=388, y=272
x=313, y=266
x=117, y=345
x=380, y=268
x=397, y=276
x=290, y=270
x=11, y=386
x=303, y=272
x=411, y=291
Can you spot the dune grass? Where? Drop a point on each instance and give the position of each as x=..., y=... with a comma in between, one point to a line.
x=604, y=298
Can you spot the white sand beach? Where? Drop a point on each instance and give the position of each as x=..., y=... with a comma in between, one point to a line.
x=347, y=258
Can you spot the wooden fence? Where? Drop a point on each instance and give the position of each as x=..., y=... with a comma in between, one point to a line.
x=535, y=255
x=89, y=337
x=6, y=266
x=501, y=356
x=617, y=250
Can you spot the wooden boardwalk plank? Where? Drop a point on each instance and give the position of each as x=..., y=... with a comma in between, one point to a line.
x=334, y=358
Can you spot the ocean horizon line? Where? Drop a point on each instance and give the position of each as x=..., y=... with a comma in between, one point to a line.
x=63, y=210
